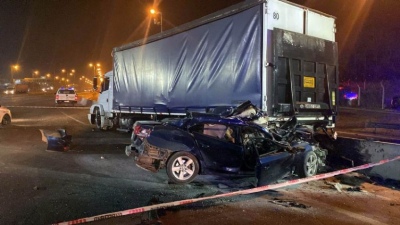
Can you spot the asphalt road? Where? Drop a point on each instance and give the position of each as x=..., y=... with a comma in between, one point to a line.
x=96, y=177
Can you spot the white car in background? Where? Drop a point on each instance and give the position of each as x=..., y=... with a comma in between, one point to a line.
x=5, y=116
x=66, y=95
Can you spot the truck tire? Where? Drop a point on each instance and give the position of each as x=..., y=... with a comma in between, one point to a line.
x=182, y=168
x=308, y=166
x=97, y=118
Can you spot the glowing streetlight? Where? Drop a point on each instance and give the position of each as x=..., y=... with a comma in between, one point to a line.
x=35, y=73
x=13, y=68
x=95, y=67
x=72, y=73
x=155, y=12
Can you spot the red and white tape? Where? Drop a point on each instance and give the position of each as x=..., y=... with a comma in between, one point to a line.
x=242, y=192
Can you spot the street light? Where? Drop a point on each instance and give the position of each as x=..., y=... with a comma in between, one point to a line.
x=155, y=12
x=95, y=67
x=13, y=68
x=62, y=75
x=36, y=72
x=73, y=76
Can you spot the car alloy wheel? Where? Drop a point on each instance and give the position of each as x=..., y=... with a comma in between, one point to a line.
x=182, y=167
x=309, y=165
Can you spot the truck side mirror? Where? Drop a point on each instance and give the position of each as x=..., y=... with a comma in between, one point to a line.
x=95, y=83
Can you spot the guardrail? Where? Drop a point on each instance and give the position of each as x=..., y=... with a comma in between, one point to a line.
x=375, y=125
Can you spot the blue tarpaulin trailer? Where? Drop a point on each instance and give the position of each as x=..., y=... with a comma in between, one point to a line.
x=279, y=55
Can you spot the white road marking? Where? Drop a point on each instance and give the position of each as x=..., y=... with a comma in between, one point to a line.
x=74, y=119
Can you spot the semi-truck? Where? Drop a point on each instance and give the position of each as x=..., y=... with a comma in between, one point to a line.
x=279, y=55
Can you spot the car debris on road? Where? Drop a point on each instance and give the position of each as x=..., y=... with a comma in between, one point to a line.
x=56, y=140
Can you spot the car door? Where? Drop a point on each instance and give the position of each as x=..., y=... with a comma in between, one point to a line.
x=217, y=152
x=273, y=161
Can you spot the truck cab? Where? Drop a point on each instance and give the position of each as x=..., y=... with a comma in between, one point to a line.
x=101, y=112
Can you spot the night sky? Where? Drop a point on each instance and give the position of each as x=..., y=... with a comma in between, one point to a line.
x=50, y=35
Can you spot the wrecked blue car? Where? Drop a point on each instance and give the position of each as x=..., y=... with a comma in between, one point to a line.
x=213, y=144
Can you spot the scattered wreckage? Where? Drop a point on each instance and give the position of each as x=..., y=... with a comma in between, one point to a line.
x=239, y=142
x=56, y=140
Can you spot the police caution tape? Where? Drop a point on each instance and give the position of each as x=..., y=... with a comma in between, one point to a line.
x=242, y=192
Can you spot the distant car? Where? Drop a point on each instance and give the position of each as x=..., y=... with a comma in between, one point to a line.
x=212, y=144
x=5, y=116
x=66, y=95
x=9, y=91
x=395, y=103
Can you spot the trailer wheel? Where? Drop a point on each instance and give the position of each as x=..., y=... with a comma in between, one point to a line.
x=308, y=166
x=97, y=118
x=182, y=167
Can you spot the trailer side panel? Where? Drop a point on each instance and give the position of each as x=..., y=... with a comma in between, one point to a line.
x=215, y=64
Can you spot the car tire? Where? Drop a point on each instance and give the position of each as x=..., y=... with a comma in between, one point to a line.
x=182, y=168
x=6, y=120
x=308, y=166
x=97, y=118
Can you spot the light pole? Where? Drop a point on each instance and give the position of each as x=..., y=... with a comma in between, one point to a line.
x=73, y=76
x=95, y=67
x=16, y=68
x=154, y=12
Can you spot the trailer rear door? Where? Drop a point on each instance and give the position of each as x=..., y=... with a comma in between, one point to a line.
x=305, y=78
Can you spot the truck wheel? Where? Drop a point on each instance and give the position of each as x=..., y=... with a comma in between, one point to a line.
x=6, y=120
x=182, y=167
x=97, y=118
x=309, y=165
